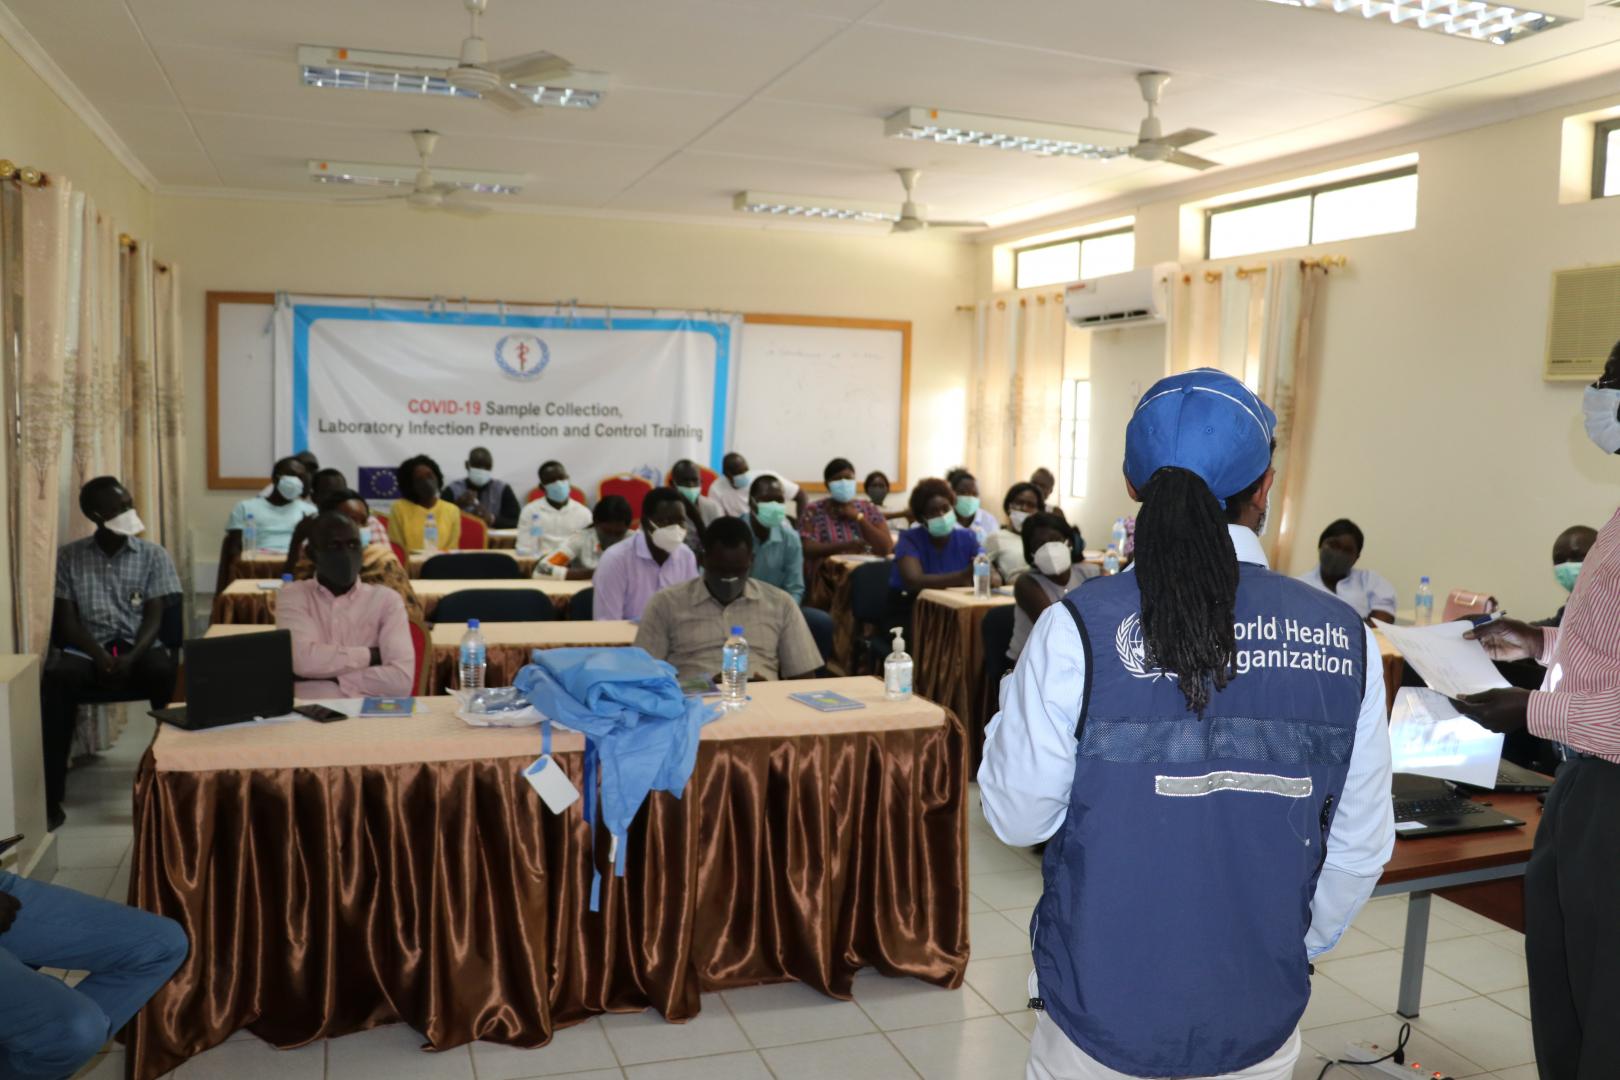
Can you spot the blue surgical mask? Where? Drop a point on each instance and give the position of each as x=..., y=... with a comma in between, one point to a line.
x=941, y=526
x=742, y=481
x=770, y=514
x=365, y=537
x=841, y=491
x=559, y=490
x=690, y=494
x=967, y=505
x=1566, y=573
x=290, y=486
x=479, y=477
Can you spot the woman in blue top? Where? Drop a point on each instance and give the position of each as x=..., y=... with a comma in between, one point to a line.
x=934, y=554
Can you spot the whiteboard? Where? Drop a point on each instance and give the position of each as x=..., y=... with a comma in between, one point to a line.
x=242, y=415
x=811, y=389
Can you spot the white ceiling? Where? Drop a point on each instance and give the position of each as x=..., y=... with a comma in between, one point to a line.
x=714, y=96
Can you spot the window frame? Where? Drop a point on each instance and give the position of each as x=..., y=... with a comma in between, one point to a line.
x=1600, y=155
x=1079, y=239
x=1311, y=192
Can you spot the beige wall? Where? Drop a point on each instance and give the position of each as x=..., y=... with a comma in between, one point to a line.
x=1435, y=431
x=307, y=246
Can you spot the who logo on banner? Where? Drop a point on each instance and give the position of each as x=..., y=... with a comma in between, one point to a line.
x=379, y=482
x=522, y=356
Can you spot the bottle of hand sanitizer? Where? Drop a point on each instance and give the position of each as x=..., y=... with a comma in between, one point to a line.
x=897, y=670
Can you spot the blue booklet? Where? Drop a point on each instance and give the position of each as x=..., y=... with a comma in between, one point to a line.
x=387, y=706
x=827, y=701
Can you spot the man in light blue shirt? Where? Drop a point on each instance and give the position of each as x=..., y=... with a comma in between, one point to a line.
x=1203, y=744
x=1337, y=550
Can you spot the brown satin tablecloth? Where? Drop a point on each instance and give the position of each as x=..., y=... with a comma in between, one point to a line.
x=948, y=652
x=335, y=877
x=509, y=645
x=830, y=592
x=243, y=601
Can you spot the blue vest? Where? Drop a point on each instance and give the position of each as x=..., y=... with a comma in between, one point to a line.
x=1170, y=937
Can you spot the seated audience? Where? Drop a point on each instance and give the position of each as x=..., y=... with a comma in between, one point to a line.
x=730, y=492
x=1006, y=546
x=480, y=494
x=274, y=517
x=581, y=553
x=349, y=639
x=876, y=486
x=1365, y=590
x=969, y=514
x=420, y=482
x=378, y=564
x=687, y=624
x=1044, y=482
x=111, y=590
x=1568, y=553
x=778, y=555
x=655, y=558
x=701, y=511
x=49, y=1028
x=555, y=514
x=841, y=524
x=324, y=481
x=308, y=460
x=1052, y=573
x=935, y=554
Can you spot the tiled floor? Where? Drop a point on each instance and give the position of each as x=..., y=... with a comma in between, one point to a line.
x=1474, y=1021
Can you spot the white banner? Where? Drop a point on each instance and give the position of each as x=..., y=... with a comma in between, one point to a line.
x=366, y=385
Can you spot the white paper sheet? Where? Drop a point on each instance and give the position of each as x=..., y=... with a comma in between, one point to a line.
x=1447, y=662
x=1429, y=737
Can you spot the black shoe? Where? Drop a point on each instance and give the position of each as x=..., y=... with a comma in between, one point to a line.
x=55, y=818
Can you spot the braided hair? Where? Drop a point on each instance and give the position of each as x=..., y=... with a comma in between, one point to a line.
x=1186, y=568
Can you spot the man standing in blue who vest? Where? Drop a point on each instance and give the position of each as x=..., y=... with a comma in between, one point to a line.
x=1203, y=743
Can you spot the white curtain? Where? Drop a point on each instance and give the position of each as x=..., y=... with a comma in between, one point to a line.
x=1014, y=412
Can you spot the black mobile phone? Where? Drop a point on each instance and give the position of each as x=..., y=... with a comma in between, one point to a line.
x=10, y=842
x=320, y=713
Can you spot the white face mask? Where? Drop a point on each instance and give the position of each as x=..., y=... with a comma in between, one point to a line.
x=478, y=477
x=670, y=537
x=290, y=487
x=126, y=524
x=1017, y=519
x=1600, y=407
x=1054, y=558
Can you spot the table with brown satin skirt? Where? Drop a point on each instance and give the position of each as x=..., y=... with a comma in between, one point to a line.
x=948, y=652
x=508, y=645
x=334, y=877
x=830, y=591
x=248, y=601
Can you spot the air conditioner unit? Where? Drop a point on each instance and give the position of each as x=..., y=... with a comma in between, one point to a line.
x=1136, y=296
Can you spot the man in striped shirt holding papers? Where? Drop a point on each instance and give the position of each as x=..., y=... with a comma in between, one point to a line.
x=1572, y=885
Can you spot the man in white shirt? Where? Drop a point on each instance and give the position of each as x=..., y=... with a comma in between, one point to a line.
x=1338, y=549
x=731, y=490
x=545, y=524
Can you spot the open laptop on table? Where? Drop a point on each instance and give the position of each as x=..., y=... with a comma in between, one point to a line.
x=1428, y=807
x=233, y=679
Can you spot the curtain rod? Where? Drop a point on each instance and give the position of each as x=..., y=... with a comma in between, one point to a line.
x=1326, y=262
x=23, y=174
x=1023, y=301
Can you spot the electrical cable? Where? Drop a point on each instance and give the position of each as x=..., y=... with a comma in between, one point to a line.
x=1398, y=1054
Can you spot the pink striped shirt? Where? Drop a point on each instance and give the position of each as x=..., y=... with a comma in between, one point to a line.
x=1579, y=701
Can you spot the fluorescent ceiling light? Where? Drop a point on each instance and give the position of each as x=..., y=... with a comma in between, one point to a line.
x=1028, y=136
x=356, y=172
x=405, y=73
x=813, y=208
x=1471, y=20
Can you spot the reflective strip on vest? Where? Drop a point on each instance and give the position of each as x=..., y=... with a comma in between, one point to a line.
x=1292, y=787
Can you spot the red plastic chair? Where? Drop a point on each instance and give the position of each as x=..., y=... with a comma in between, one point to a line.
x=399, y=553
x=474, y=534
x=419, y=643
x=633, y=488
x=706, y=474
x=537, y=494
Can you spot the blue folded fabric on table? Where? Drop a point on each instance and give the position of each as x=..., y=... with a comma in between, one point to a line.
x=640, y=730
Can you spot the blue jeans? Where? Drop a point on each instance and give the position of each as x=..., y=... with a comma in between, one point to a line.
x=49, y=1029
x=821, y=629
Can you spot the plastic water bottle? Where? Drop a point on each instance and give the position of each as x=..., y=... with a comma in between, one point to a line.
x=533, y=536
x=1111, y=560
x=1423, y=610
x=897, y=670
x=250, y=534
x=981, y=576
x=473, y=654
x=1119, y=535
x=430, y=535
x=734, y=670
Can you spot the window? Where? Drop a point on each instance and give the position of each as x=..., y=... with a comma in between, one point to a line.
x=1606, y=160
x=1366, y=206
x=1075, y=437
x=1077, y=258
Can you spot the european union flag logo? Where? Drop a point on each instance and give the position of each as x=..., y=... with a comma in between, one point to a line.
x=379, y=482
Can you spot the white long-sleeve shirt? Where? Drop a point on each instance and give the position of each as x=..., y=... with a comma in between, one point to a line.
x=1030, y=751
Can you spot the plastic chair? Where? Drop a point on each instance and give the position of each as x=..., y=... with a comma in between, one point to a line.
x=472, y=565
x=419, y=644
x=474, y=534
x=878, y=609
x=581, y=605
x=707, y=475
x=496, y=605
x=536, y=494
x=632, y=487
x=399, y=553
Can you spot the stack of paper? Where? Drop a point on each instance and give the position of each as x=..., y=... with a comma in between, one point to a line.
x=1429, y=737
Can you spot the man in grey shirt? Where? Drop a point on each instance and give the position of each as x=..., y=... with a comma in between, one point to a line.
x=687, y=624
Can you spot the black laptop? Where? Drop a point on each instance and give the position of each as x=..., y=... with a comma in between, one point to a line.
x=1428, y=807
x=233, y=679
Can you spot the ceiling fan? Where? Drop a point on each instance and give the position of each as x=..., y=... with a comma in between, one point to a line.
x=914, y=218
x=516, y=84
x=446, y=191
x=1151, y=145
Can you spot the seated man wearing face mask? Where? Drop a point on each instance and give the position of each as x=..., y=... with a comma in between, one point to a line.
x=581, y=553
x=631, y=571
x=731, y=492
x=1568, y=553
x=688, y=624
x=1367, y=591
x=779, y=554
x=349, y=639
x=486, y=498
x=273, y=517
x=111, y=589
x=545, y=524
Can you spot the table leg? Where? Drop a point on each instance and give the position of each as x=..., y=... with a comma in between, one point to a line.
x=1417, y=942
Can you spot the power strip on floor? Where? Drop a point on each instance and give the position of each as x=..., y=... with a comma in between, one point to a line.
x=1359, y=1057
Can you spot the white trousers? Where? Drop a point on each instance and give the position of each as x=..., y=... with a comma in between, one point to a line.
x=1053, y=1057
